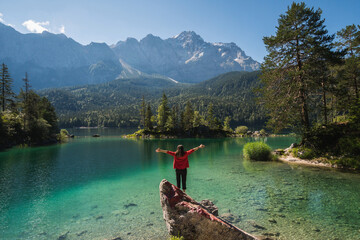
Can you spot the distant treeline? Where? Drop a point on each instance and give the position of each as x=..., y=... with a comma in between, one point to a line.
x=117, y=103
x=178, y=122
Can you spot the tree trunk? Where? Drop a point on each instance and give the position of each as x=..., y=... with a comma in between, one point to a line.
x=356, y=87
x=304, y=109
x=324, y=101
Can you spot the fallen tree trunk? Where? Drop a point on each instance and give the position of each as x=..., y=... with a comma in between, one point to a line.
x=190, y=219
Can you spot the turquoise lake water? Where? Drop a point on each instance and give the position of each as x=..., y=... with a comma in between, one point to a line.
x=107, y=187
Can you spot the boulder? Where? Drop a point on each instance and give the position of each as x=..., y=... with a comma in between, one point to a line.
x=293, y=145
x=186, y=217
x=279, y=151
x=210, y=206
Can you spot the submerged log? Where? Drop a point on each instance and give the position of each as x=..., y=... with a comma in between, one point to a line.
x=188, y=218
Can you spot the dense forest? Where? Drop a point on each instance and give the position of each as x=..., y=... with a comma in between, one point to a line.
x=117, y=103
x=310, y=81
x=25, y=118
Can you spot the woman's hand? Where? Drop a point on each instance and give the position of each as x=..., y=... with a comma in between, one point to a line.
x=158, y=150
x=201, y=146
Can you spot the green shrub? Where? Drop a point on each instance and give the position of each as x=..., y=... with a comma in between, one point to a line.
x=262, y=132
x=349, y=162
x=303, y=153
x=63, y=135
x=349, y=146
x=176, y=238
x=241, y=129
x=257, y=151
x=64, y=132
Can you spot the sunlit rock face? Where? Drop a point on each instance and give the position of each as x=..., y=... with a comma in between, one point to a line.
x=185, y=57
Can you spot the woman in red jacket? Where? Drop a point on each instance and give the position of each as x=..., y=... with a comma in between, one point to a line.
x=181, y=162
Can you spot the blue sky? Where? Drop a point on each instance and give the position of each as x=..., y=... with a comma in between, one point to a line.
x=242, y=22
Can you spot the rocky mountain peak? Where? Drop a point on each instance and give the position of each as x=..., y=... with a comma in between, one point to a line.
x=188, y=38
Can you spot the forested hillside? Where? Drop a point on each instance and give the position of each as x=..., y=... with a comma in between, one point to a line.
x=117, y=103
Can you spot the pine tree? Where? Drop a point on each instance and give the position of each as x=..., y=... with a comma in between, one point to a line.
x=227, y=124
x=299, y=43
x=25, y=102
x=188, y=117
x=349, y=43
x=142, y=112
x=6, y=94
x=175, y=116
x=148, y=118
x=3, y=133
x=210, y=117
x=197, y=120
x=170, y=124
x=163, y=113
x=47, y=112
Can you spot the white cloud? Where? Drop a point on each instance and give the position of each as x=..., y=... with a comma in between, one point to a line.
x=36, y=27
x=62, y=29
x=1, y=18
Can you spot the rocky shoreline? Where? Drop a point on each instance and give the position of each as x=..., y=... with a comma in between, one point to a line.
x=287, y=157
x=313, y=162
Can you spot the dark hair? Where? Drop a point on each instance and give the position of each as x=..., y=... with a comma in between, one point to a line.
x=180, y=151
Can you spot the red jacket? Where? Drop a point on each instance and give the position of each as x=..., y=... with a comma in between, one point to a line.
x=181, y=162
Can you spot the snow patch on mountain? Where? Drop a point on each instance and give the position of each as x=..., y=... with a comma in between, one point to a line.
x=185, y=57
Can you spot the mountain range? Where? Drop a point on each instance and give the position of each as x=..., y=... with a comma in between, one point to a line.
x=185, y=57
x=55, y=60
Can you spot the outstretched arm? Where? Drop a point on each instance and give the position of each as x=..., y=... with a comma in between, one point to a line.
x=197, y=148
x=160, y=150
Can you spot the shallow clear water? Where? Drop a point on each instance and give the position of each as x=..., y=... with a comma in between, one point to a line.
x=100, y=188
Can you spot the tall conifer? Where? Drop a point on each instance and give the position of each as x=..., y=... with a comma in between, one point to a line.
x=300, y=41
x=163, y=113
x=6, y=93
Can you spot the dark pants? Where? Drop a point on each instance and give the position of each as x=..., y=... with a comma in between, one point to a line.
x=181, y=173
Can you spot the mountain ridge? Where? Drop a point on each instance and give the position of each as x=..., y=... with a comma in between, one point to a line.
x=55, y=60
x=185, y=57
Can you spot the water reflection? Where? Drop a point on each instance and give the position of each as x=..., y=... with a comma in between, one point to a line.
x=25, y=173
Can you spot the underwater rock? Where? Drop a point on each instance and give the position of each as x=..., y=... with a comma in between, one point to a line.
x=117, y=238
x=63, y=236
x=257, y=226
x=230, y=217
x=272, y=220
x=210, y=206
x=186, y=217
x=262, y=209
x=130, y=205
x=81, y=233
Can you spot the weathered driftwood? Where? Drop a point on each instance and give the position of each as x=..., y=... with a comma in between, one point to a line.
x=190, y=219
